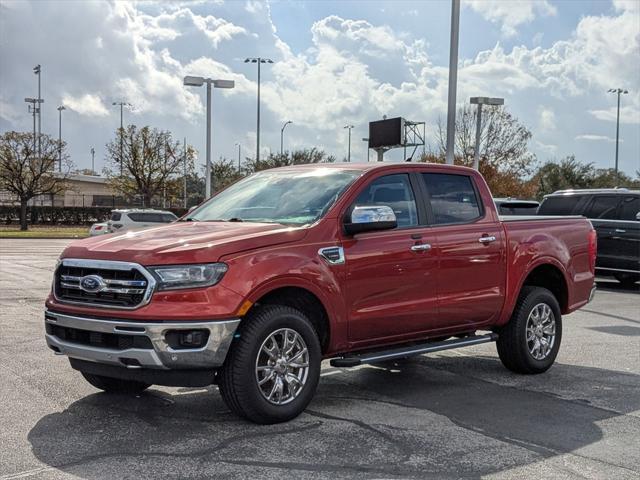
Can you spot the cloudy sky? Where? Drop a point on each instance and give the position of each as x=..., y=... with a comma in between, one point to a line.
x=336, y=63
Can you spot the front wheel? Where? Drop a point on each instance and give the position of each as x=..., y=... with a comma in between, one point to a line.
x=272, y=369
x=529, y=343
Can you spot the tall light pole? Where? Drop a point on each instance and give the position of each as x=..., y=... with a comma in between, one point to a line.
x=239, y=166
x=34, y=108
x=481, y=101
x=184, y=170
x=368, y=149
x=60, y=109
x=453, y=79
x=258, y=60
x=93, y=161
x=349, y=127
x=37, y=70
x=192, y=81
x=122, y=105
x=617, y=91
x=282, y=136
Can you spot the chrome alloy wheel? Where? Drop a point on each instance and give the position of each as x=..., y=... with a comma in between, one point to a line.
x=282, y=366
x=541, y=331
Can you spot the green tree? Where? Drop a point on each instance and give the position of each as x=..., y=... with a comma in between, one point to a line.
x=27, y=175
x=505, y=160
x=151, y=160
x=571, y=173
x=297, y=157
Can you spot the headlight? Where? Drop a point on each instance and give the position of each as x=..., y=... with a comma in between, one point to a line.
x=188, y=276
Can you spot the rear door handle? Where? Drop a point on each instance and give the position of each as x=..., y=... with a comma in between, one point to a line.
x=423, y=247
x=486, y=240
x=619, y=230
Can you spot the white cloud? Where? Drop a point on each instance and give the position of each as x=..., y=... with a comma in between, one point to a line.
x=596, y=138
x=86, y=104
x=546, y=119
x=510, y=14
x=628, y=114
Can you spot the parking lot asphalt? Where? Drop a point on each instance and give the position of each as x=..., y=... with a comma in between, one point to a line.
x=456, y=414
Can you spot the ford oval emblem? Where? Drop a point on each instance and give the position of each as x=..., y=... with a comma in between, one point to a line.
x=92, y=283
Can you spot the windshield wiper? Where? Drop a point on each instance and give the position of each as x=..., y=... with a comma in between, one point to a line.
x=189, y=219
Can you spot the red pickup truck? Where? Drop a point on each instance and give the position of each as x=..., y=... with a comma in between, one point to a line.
x=357, y=263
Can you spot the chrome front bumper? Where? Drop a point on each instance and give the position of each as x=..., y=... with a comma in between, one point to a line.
x=161, y=356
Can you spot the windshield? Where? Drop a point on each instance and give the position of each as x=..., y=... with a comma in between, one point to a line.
x=278, y=196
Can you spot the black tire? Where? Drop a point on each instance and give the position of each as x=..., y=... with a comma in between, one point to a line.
x=628, y=280
x=513, y=348
x=115, y=385
x=237, y=382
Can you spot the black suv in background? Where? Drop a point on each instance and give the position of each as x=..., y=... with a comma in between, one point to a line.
x=615, y=214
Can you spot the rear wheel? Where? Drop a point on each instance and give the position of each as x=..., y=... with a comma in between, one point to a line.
x=272, y=370
x=529, y=343
x=115, y=385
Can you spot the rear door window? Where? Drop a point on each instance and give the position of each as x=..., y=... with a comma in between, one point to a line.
x=630, y=208
x=453, y=198
x=167, y=217
x=603, y=206
x=560, y=205
x=393, y=191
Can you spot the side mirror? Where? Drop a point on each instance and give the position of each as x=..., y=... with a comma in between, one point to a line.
x=370, y=218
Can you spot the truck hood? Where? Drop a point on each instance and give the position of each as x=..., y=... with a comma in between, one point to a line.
x=184, y=242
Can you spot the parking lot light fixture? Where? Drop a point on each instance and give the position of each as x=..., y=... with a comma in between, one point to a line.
x=349, y=127
x=60, y=109
x=617, y=91
x=282, y=136
x=121, y=105
x=258, y=61
x=481, y=101
x=193, y=81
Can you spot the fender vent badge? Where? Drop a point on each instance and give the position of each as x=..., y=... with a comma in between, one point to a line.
x=333, y=255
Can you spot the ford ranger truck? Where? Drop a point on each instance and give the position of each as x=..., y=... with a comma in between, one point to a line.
x=356, y=263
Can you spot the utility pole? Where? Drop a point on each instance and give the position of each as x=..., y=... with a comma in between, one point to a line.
x=37, y=70
x=349, y=127
x=60, y=109
x=617, y=91
x=258, y=60
x=453, y=79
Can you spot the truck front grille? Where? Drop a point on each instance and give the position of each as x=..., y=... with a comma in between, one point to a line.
x=102, y=283
x=112, y=341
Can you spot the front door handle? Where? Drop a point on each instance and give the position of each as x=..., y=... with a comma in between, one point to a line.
x=486, y=240
x=423, y=247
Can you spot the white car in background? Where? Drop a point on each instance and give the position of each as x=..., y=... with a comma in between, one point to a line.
x=98, y=229
x=124, y=220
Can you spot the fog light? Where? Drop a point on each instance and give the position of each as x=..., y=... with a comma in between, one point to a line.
x=183, y=339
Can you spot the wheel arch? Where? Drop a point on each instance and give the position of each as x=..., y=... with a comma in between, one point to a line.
x=551, y=277
x=302, y=299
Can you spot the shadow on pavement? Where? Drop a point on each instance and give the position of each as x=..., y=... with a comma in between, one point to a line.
x=435, y=417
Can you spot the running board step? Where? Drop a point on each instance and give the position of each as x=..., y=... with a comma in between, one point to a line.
x=380, y=356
